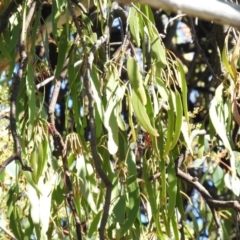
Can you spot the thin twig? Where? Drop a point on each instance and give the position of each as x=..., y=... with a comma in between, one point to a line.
x=60, y=146
x=171, y=20
x=48, y=80
x=93, y=142
x=212, y=203
x=116, y=11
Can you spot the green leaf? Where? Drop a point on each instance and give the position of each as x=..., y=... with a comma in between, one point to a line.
x=133, y=203
x=217, y=176
x=172, y=190
x=42, y=157
x=183, y=86
x=151, y=195
x=170, y=128
x=141, y=114
x=149, y=22
x=110, y=119
x=119, y=210
x=34, y=164
x=75, y=86
x=195, y=225
x=130, y=119
x=30, y=85
x=163, y=91
x=175, y=228
x=225, y=58
x=135, y=79
x=31, y=182
x=134, y=25
x=178, y=118
x=4, y=51
x=14, y=37
x=216, y=113
x=96, y=92
x=94, y=224
x=158, y=51
x=62, y=50
x=85, y=186
x=179, y=202
x=131, y=162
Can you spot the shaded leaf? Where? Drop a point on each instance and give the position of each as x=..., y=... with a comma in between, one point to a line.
x=135, y=79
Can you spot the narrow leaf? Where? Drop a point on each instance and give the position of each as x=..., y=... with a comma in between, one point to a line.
x=141, y=114
x=135, y=79
x=134, y=25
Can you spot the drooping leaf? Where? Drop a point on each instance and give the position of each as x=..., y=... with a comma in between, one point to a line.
x=178, y=118
x=170, y=127
x=135, y=79
x=225, y=58
x=110, y=119
x=218, y=176
x=133, y=203
x=134, y=26
x=30, y=85
x=172, y=190
x=62, y=50
x=152, y=199
x=4, y=51
x=119, y=209
x=94, y=224
x=216, y=113
x=140, y=112
x=183, y=86
x=158, y=51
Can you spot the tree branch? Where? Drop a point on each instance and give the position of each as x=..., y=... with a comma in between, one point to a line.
x=212, y=203
x=221, y=12
x=16, y=83
x=60, y=147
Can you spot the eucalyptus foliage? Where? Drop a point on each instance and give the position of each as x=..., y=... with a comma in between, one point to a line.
x=130, y=105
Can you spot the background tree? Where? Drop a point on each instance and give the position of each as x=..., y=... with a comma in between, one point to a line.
x=119, y=121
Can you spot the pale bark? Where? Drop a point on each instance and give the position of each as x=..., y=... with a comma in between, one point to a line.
x=218, y=11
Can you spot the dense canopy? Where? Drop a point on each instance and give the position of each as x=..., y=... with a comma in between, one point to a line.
x=119, y=120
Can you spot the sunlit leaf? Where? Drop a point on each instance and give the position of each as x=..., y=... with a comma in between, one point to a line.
x=140, y=111
x=134, y=25
x=178, y=118
x=30, y=85
x=62, y=49
x=170, y=127
x=158, y=51
x=183, y=86
x=218, y=176
x=225, y=58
